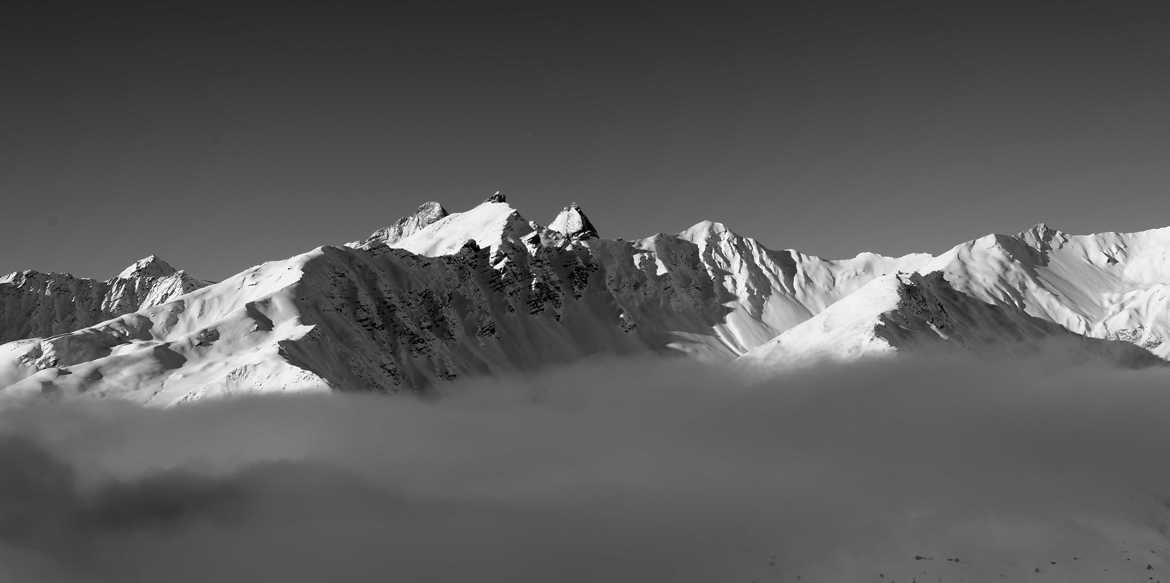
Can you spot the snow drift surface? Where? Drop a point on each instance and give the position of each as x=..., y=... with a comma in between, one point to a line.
x=438, y=296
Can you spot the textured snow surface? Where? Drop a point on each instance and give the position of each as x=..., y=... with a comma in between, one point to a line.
x=437, y=296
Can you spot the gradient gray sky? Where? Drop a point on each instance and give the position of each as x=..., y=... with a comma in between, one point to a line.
x=219, y=137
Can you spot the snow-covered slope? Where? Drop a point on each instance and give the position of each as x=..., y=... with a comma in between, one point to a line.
x=439, y=295
x=42, y=304
x=761, y=292
x=915, y=312
x=428, y=212
x=1107, y=285
x=352, y=319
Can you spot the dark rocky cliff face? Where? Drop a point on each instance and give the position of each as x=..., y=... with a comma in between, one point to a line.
x=388, y=320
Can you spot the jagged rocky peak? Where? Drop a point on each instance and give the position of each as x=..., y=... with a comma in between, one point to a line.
x=427, y=213
x=35, y=304
x=573, y=223
x=704, y=230
x=491, y=223
x=496, y=196
x=149, y=266
x=1043, y=237
x=353, y=319
x=17, y=276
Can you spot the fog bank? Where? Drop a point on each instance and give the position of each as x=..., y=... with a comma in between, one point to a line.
x=927, y=469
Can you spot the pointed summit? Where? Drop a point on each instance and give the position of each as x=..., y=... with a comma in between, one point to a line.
x=706, y=230
x=1043, y=237
x=428, y=212
x=149, y=266
x=497, y=196
x=573, y=223
x=489, y=224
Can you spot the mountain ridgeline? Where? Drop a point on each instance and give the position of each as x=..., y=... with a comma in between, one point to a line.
x=438, y=296
x=33, y=303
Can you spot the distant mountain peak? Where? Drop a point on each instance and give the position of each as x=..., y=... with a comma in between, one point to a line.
x=432, y=209
x=1041, y=236
x=496, y=196
x=1041, y=228
x=149, y=266
x=21, y=275
x=438, y=296
x=31, y=301
x=490, y=224
x=427, y=213
x=704, y=230
x=573, y=223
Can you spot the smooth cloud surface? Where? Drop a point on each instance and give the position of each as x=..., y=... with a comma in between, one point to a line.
x=931, y=470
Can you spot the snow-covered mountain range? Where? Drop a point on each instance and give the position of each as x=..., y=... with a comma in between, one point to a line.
x=438, y=295
x=45, y=304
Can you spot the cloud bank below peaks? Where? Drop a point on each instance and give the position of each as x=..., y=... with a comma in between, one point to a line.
x=940, y=469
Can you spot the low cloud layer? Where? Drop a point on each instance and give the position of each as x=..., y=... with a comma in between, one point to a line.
x=934, y=469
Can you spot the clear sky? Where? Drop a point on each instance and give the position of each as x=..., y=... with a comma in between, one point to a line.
x=219, y=136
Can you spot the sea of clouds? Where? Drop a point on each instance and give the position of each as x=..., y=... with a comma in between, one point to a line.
x=924, y=469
